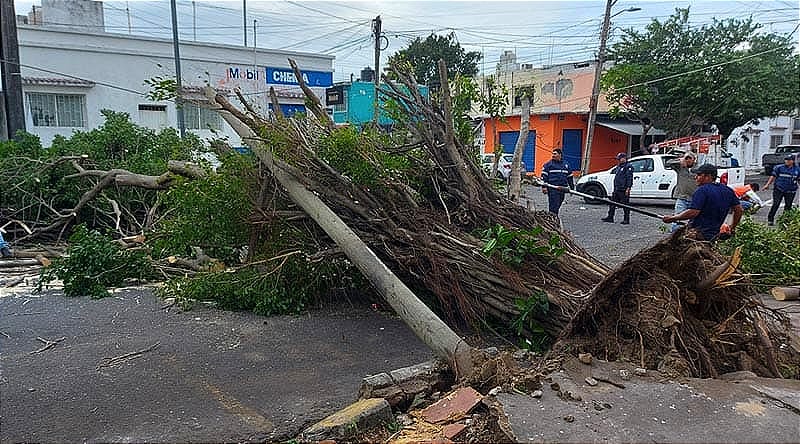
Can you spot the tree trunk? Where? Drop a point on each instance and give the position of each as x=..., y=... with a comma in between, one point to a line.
x=515, y=184
x=443, y=341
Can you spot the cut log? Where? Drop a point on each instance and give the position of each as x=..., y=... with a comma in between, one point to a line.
x=786, y=293
x=10, y=263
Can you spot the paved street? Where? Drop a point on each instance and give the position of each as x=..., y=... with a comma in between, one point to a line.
x=212, y=376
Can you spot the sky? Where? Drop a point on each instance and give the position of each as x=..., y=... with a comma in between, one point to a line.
x=540, y=32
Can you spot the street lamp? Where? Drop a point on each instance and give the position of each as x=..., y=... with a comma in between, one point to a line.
x=598, y=70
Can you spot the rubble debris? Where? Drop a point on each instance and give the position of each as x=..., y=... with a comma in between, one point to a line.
x=361, y=415
x=591, y=381
x=585, y=358
x=453, y=406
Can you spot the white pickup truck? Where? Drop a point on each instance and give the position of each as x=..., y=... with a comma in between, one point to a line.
x=652, y=178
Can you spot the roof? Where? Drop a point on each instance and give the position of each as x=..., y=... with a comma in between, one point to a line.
x=56, y=81
x=630, y=128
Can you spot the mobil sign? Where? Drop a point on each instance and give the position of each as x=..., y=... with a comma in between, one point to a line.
x=285, y=76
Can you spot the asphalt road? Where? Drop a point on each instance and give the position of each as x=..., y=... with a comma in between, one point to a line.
x=614, y=243
x=202, y=375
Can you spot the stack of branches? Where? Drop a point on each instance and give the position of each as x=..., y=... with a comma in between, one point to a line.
x=677, y=307
x=424, y=233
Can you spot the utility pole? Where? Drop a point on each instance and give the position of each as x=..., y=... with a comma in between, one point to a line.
x=598, y=70
x=376, y=28
x=176, y=49
x=194, y=21
x=244, y=20
x=128, y=12
x=12, y=79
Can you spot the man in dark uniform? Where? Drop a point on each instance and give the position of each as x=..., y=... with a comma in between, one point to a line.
x=623, y=182
x=711, y=203
x=556, y=172
x=785, y=177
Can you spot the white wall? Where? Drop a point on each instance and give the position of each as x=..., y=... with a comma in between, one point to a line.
x=757, y=142
x=125, y=62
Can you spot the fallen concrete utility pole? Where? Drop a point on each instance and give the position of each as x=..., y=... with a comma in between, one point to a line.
x=444, y=342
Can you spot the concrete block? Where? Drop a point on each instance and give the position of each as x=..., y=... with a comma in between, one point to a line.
x=359, y=416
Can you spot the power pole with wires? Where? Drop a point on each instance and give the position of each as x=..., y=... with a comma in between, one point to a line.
x=598, y=71
x=376, y=28
x=177, y=51
x=12, y=79
x=244, y=20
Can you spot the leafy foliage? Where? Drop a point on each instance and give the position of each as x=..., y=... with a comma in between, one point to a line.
x=771, y=255
x=289, y=288
x=93, y=263
x=513, y=245
x=708, y=74
x=424, y=54
x=210, y=213
x=525, y=324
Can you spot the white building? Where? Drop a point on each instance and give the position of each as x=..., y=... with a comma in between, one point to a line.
x=749, y=142
x=69, y=76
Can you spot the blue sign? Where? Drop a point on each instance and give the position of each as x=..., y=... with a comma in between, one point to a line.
x=285, y=76
x=290, y=109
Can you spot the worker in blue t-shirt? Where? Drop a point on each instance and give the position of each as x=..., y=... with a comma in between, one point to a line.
x=556, y=172
x=711, y=203
x=785, y=177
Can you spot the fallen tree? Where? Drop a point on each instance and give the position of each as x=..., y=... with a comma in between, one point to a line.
x=540, y=280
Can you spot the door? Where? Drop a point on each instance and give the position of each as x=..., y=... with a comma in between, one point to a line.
x=508, y=139
x=645, y=183
x=573, y=148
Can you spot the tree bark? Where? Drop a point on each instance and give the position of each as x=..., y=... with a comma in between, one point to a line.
x=444, y=342
x=515, y=184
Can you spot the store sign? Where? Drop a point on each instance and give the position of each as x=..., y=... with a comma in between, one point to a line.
x=240, y=73
x=335, y=95
x=285, y=76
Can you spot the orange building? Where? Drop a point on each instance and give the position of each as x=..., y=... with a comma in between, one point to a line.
x=568, y=132
x=559, y=119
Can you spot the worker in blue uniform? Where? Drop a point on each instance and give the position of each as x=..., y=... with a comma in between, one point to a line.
x=556, y=172
x=623, y=182
x=785, y=177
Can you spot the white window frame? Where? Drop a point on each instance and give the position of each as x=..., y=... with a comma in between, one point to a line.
x=57, y=117
x=200, y=118
x=775, y=141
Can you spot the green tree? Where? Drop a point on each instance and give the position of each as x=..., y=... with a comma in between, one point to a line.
x=423, y=55
x=726, y=73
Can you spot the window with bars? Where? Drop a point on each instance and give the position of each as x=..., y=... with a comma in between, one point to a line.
x=59, y=110
x=340, y=108
x=196, y=117
x=775, y=141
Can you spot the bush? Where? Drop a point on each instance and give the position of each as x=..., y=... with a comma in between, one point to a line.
x=771, y=255
x=93, y=263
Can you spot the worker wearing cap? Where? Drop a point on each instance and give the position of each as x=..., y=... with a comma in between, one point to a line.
x=623, y=182
x=556, y=172
x=711, y=203
x=685, y=186
x=785, y=177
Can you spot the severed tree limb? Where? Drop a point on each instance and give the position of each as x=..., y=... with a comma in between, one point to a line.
x=48, y=344
x=276, y=107
x=315, y=105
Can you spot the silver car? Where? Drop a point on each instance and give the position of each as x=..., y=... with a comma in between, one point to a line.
x=503, y=166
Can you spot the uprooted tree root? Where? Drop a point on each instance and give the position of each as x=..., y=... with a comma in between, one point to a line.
x=653, y=311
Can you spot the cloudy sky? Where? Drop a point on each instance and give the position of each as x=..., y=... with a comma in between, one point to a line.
x=541, y=32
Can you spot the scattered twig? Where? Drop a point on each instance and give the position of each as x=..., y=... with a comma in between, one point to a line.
x=5, y=334
x=609, y=381
x=108, y=362
x=48, y=344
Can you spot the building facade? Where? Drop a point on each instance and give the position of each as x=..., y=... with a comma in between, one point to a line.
x=749, y=142
x=69, y=76
x=354, y=103
x=559, y=118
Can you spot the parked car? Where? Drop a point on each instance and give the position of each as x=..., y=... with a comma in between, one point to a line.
x=652, y=178
x=769, y=160
x=503, y=166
